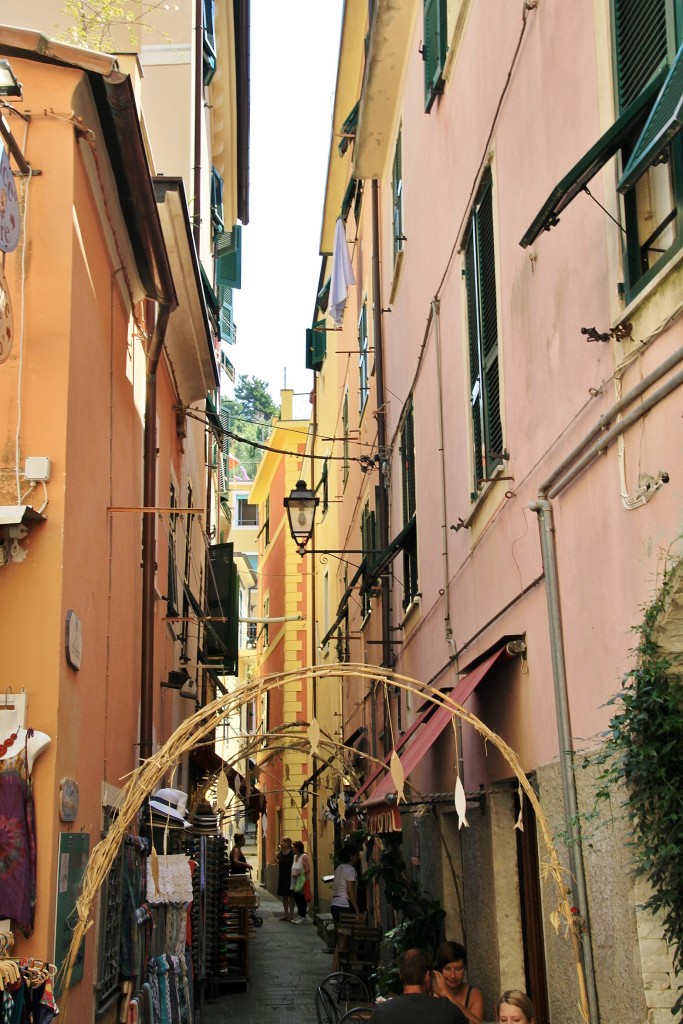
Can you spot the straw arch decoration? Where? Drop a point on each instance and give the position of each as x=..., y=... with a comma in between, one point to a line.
x=200, y=727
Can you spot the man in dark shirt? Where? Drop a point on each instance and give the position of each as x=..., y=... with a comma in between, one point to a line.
x=416, y=1005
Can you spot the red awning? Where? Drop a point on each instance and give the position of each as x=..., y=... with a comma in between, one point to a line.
x=431, y=727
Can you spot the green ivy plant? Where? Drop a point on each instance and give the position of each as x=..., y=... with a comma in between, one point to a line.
x=644, y=753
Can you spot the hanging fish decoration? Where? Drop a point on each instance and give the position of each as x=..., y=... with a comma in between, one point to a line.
x=222, y=789
x=314, y=735
x=398, y=778
x=461, y=803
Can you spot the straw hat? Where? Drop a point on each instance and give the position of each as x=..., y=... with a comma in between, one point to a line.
x=170, y=803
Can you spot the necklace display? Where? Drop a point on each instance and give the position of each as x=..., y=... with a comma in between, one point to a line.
x=4, y=747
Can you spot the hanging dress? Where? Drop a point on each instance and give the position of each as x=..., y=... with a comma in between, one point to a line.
x=17, y=840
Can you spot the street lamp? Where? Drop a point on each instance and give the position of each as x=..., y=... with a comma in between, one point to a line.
x=301, y=505
x=9, y=86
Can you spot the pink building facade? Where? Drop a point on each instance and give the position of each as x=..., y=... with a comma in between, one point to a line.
x=512, y=391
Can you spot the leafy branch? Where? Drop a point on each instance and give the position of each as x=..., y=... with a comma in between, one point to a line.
x=643, y=752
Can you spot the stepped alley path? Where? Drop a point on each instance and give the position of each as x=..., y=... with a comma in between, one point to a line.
x=286, y=964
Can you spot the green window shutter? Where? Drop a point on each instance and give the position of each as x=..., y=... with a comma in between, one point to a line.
x=348, y=130
x=493, y=428
x=408, y=467
x=588, y=166
x=397, y=197
x=476, y=383
x=664, y=122
x=229, y=258
x=434, y=47
x=316, y=345
x=209, y=42
x=220, y=638
x=482, y=313
x=640, y=31
x=217, y=202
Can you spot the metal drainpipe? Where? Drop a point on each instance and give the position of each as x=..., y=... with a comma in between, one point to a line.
x=149, y=500
x=314, y=681
x=381, y=437
x=444, y=512
x=198, y=98
x=544, y=511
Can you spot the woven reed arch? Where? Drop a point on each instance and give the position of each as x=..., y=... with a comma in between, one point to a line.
x=200, y=727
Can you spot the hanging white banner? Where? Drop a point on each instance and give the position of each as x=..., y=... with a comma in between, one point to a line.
x=9, y=206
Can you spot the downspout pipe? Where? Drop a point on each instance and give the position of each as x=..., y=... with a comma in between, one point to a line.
x=544, y=512
x=149, y=538
x=314, y=658
x=383, y=509
x=444, y=510
x=198, y=111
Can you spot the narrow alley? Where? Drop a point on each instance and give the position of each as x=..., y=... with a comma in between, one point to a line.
x=286, y=965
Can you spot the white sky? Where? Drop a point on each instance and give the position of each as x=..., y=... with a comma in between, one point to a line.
x=294, y=52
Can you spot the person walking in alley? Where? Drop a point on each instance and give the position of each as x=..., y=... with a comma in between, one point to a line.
x=344, y=887
x=285, y=859
x=416, y=1005
x=449, y=981
x=238, y=862
x=300, y=874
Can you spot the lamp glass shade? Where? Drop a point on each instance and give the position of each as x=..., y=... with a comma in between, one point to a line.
x=301, y=505
x=9, y=86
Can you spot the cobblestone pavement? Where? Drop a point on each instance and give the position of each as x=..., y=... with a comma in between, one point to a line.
x=286, y=964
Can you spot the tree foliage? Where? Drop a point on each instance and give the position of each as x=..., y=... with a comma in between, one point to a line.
x=95, y=22
x=644, y=752
x=249, y=415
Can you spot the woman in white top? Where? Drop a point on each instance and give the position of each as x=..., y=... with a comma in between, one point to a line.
x=344, y=894
x=300, y=872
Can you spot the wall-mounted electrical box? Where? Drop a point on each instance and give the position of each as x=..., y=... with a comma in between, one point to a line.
x=37, y=469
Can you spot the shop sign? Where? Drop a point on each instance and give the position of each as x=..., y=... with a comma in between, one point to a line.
x=10, y=220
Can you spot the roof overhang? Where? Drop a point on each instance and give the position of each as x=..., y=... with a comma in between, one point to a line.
x=349, y=72
x=189, y=341
x=390, y=35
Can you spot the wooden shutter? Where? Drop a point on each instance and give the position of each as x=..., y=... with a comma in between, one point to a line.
x=222, y=598
x=229, y=258
x=316, y=345
x=434, y=48
x=493, y=428
x=408, y=467
x=476, y=381
x=640, y=28
x=665, y=121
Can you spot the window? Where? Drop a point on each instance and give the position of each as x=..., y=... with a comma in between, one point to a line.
x=363, y=351
x=316, y=345
x=368, y=543
x=397, y=197
x=434, y=48
x=345, y=431
x=647, y=42
x=247, y=515
x=172, y=585
x=209, y=47
x=647, y=35
x=409, y=544
x=264, y=626
x=229, y=258
x=482, y=319
x=217, y=202
x=265, y=529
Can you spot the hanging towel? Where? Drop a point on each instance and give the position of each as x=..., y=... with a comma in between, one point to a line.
x=342, y=274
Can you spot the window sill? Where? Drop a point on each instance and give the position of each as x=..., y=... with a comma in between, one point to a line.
x=481, y=508
x=411, y=616
x=655, y=303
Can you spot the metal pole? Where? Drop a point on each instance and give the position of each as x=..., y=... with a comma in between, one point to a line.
x=544, y=511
